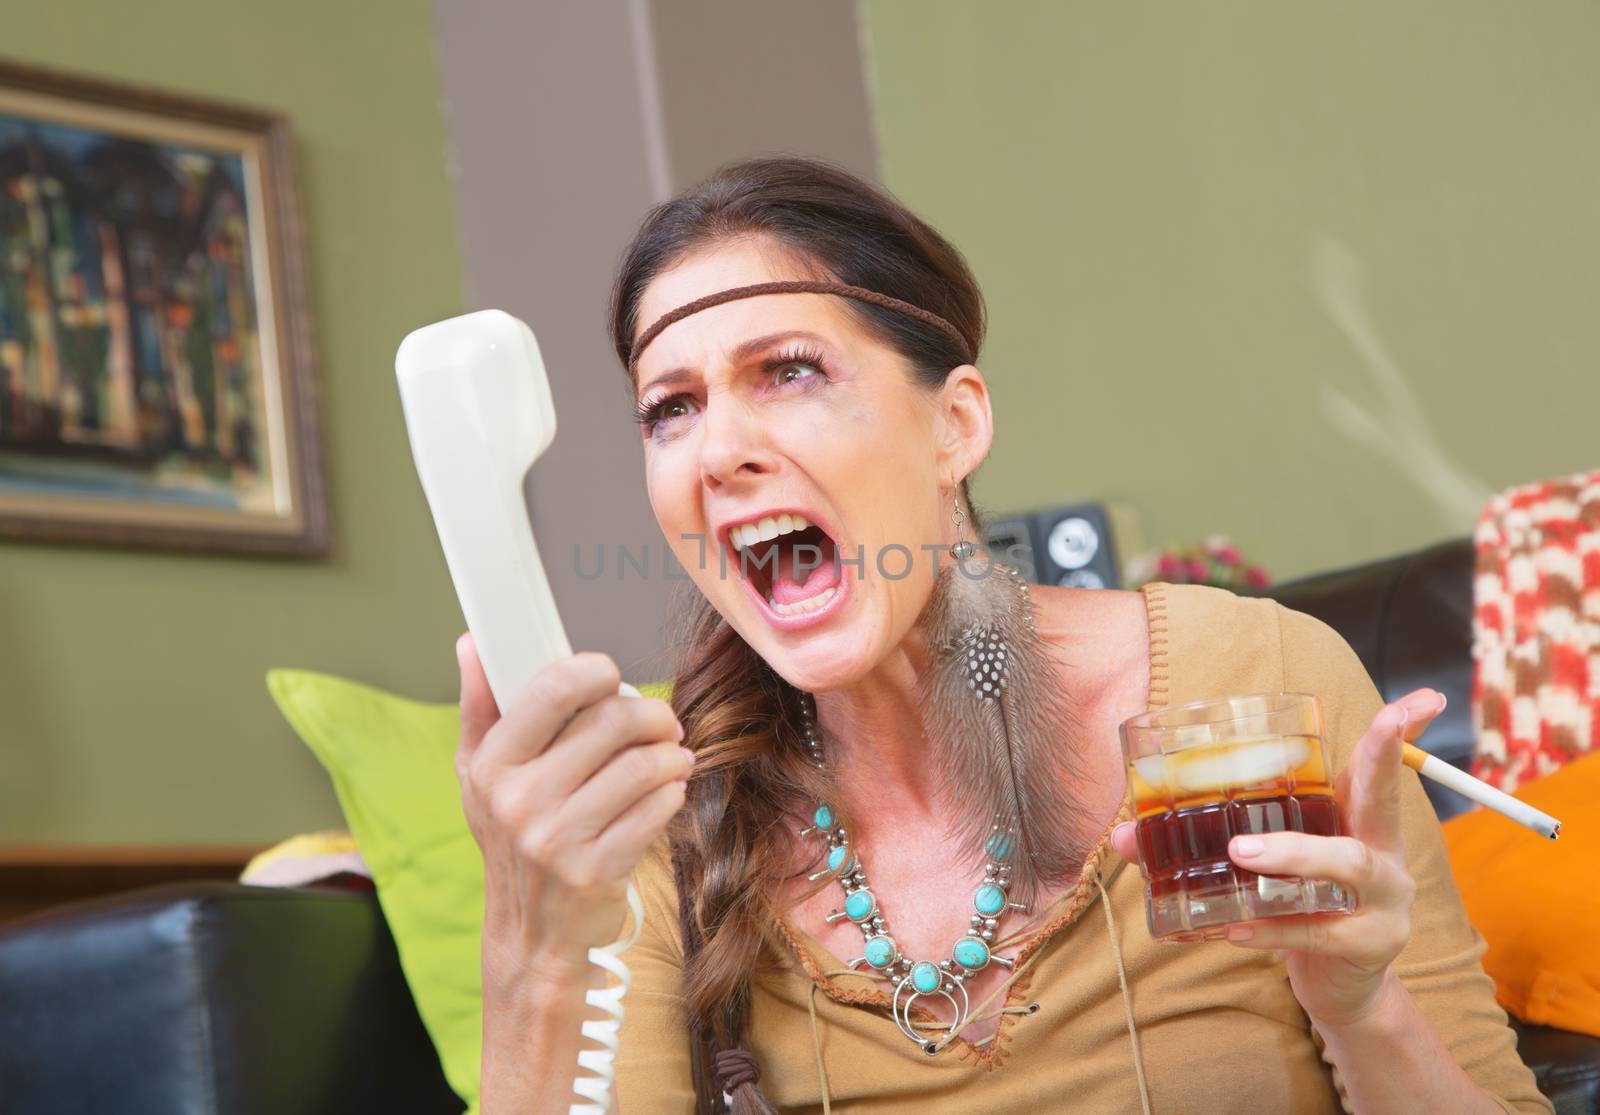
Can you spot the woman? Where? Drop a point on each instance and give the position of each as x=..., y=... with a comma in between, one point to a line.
x=843, y=410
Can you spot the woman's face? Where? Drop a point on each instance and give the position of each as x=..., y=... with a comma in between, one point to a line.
x=765, y=408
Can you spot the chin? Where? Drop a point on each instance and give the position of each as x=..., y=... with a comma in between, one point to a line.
x=820, y=677
x=822, y=662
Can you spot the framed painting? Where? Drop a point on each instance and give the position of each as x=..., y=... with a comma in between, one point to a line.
x=157, y=381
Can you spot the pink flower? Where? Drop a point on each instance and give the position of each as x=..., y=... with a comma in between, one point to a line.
x=1227, y=555
x=1169, y=566
x=1256, y=577
x=1199, y=572
x=1140, y=569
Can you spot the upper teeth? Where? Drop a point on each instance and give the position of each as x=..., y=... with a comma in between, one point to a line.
x=750, y=533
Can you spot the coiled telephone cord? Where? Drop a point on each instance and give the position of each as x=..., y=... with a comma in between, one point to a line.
x=596, y=1088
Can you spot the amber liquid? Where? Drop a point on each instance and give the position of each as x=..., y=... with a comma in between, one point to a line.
x=1191, y=803
x=1188, y=848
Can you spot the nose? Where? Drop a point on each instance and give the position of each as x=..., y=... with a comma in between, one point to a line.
x=733, y=444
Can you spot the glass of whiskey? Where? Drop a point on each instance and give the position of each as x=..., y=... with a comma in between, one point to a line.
x=1202, y=773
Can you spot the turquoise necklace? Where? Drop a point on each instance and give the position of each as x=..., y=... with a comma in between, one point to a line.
x=914, y=979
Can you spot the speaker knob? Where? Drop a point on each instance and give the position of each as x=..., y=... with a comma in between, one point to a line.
x=1081, y=578
x=1073, y=543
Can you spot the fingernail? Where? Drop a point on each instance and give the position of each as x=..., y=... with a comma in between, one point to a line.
x=1248, y=845
x=1241, y=932
x=1427, y=702
x=680, y=729
x=1444, y=702
x=687, y=754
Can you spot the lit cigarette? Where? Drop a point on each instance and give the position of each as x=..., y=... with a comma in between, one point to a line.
x=1431, y=766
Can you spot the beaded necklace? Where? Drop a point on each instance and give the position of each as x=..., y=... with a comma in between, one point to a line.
x=970, y=954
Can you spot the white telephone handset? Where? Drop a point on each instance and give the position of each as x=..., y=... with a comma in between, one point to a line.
x=478, y=411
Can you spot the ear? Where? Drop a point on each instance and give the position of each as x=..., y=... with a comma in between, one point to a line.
x=964, y=423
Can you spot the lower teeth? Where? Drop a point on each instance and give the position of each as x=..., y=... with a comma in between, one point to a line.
x=809, y=605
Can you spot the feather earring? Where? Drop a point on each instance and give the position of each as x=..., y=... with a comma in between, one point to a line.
x=999, y=725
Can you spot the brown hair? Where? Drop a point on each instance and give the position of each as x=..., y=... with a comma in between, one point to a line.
x=734, y=841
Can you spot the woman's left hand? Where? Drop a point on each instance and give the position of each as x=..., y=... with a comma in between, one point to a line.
x=1339, y=964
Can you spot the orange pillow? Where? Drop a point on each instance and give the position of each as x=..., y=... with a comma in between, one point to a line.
x=1535, y=901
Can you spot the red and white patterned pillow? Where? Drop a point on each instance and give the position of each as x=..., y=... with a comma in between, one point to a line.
x=1536, y=629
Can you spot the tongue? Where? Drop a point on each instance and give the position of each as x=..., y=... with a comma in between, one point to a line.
x=801, y=576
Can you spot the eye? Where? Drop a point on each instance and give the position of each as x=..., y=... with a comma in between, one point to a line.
x=795, y=370
x=800, y=366
x=651, y=416
x=674, y=407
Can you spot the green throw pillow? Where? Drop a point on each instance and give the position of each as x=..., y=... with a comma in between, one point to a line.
x=392, y=764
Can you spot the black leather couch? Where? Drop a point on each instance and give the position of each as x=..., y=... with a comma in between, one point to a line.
x=216, y=998
x=212, y=999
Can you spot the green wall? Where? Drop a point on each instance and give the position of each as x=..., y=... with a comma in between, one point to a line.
x=1149, y=194
x=132, y=706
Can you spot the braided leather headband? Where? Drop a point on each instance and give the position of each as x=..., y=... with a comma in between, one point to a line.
x=799, y=286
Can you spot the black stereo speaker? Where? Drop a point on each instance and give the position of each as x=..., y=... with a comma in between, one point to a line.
x=1070, y=546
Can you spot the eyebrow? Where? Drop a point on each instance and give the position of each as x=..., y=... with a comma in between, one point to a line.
x=743, y=352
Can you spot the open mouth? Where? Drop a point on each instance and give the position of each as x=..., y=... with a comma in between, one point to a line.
x=789, y=562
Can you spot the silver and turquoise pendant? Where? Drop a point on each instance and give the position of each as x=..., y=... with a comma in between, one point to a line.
x=914, y=979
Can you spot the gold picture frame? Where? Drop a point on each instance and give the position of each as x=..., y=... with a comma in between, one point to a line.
x=157, y=371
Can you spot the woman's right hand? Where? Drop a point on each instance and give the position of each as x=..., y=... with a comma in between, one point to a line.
x=564, y=792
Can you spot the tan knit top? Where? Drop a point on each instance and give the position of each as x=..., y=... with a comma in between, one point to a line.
x=1217, y=1026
